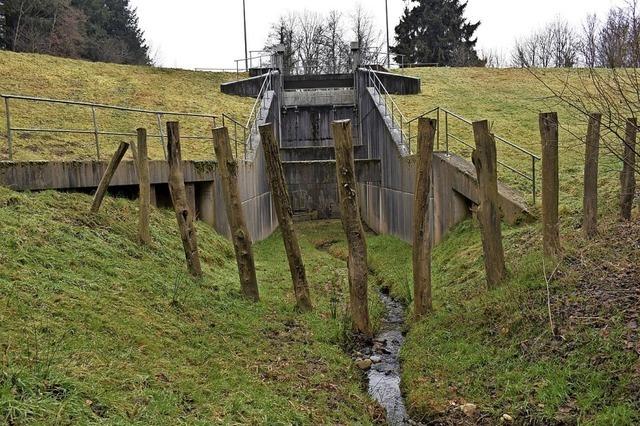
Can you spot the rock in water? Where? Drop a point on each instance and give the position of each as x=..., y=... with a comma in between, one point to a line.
x=364, y=364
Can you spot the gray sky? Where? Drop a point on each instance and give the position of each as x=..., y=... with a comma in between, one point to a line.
x=208, y=33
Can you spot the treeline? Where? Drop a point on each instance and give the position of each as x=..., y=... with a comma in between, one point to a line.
x=96, y=30
x=611, y=42
x=315, y=43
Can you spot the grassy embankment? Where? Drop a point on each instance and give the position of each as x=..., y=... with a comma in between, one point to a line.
x=496, y=349
x=96, y=328
x=130, y=86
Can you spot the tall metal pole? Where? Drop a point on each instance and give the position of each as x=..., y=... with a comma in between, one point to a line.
x=386, y=6
x=246, y=50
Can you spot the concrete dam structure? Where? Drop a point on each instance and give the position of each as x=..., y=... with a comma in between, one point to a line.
x=302, y=108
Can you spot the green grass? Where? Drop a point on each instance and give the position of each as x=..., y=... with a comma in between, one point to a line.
x=495, y=348
x=130, y=86
x=96, y=329
x=511, y=100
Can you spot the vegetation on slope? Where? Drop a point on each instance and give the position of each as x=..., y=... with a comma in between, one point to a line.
x=130, y=86
x=497, y=349
x=511, y=100
x=96, y=328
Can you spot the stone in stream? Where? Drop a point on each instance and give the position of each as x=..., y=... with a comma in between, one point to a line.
x=376, y=359
x=364, y=364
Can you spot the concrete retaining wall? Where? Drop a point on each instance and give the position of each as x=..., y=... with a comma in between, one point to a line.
x=311, y=126
x=387, y=208
x=397, y=84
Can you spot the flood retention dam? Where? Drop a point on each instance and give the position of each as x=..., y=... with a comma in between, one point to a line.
x=302, y=108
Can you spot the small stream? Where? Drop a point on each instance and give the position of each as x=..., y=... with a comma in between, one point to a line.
x=384, y=375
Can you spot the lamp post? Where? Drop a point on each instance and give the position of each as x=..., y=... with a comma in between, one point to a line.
x=386, y=8
x=246, y=50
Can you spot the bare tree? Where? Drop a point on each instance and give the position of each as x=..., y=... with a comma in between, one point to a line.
x=310, y=41
x=365, y=33
x=555, y=45
x=335, y=55
x=589, y=42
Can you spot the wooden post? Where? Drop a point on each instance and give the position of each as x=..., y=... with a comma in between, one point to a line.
x=628, y=175
x=550, y=184
x=350, y=216
x=184, y=215
x=144, y=236
x=282, y=204
x=590, y=200
x=421, y=220
x=489, y=216
x=108, y=175
x=228, y=168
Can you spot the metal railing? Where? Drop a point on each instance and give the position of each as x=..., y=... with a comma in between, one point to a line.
x=408, y=131
x=448, y=135
x=240, y=134
x=95, y=130
x=391, y=109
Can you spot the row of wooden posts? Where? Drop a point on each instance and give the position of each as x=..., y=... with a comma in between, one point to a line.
x=488, y=212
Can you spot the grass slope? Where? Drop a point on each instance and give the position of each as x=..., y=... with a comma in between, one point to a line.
x=130, y=86
x=511, y=100
x=496, y=349
x=97, y=329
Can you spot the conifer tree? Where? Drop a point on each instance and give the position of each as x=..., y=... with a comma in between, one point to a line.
x=436, y=31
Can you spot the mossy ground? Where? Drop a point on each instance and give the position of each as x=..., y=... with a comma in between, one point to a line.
x=130, y=86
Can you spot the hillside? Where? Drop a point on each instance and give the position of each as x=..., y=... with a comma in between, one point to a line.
x=97, y=329
x=130, y=86
x=511, y=100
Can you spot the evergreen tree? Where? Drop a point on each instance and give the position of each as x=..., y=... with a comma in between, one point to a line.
x=436, y=31
x=98, y=30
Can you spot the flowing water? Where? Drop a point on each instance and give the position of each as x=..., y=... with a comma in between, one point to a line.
x=384, y=376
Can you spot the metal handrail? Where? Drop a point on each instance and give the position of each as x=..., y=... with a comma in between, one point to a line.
x=384, y=95
x=244, y=131
x=96, y=130
x=449, y=135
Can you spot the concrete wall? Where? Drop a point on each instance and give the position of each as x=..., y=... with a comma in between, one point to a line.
x=254, y=186
x=249, y=87
x=387, y=207
x=397, y=84
x=325, y=81
x=311, y=126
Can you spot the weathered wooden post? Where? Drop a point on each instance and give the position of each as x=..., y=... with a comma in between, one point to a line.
x=108, y=175
x=489, y=216
x=590, y=200
x=628, y=175
x=421, y=220
x=228, y=168
x=352, y=224
x=184, y=215
x=280, y=197
x=145, y=188
x=550, y=184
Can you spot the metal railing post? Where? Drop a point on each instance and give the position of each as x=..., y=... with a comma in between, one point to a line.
x=9, y=132
x=164, y=148
x=533, y=174
x=95, y=131
x=446, y=131
x=438, y=128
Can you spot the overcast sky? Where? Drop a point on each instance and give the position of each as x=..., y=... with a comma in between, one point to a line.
x=209, y=33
